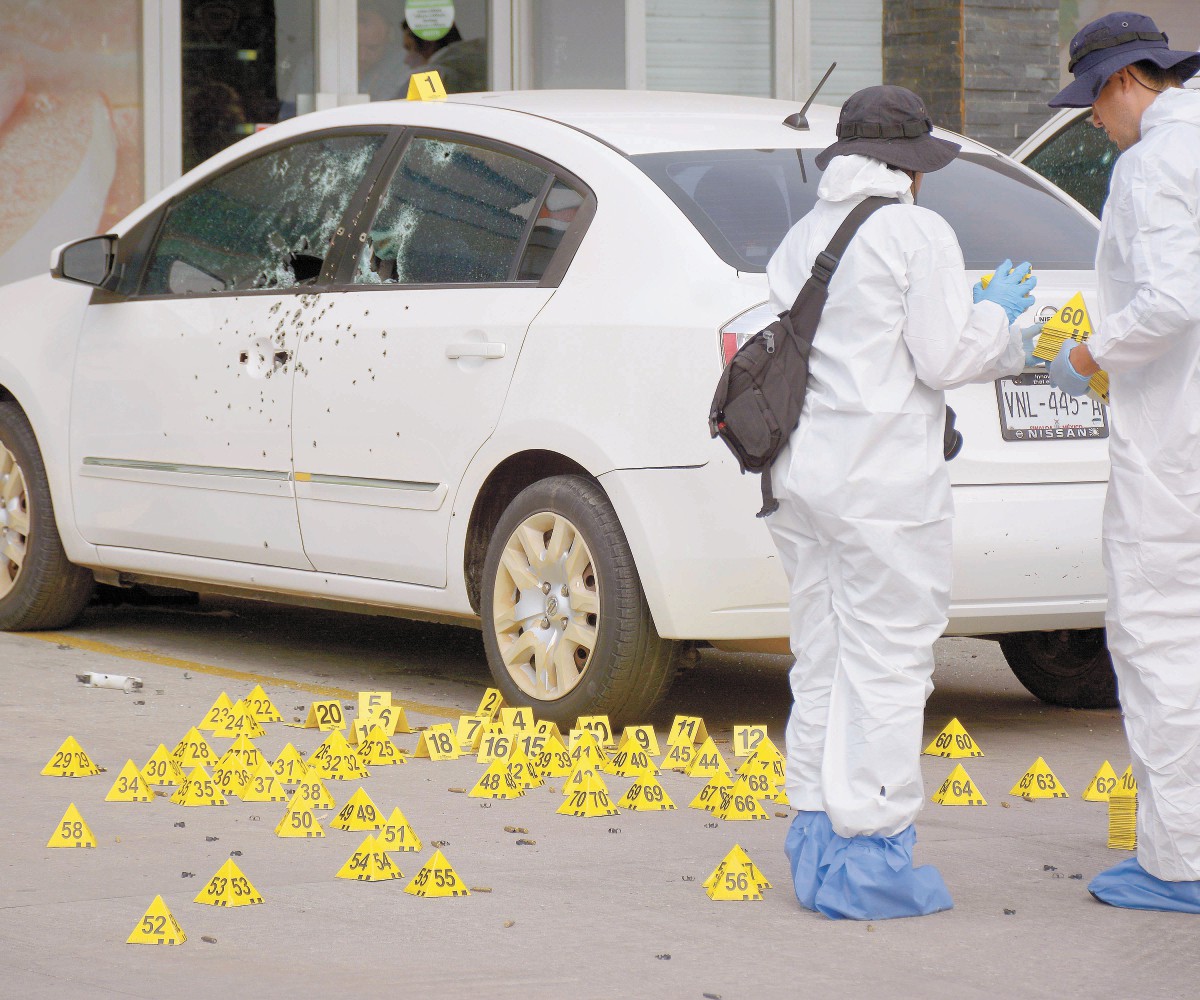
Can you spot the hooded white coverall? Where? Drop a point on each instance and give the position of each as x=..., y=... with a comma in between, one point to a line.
x=1147, y=336
x=864, y=523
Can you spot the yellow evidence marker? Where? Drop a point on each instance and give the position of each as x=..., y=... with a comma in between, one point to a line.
x=378, y=750
x=738, y=806
x=299, y=821
x=707, y=761
x=517, y=721
x=687, y=730
x=734, y=879
x=198, y=789
x=1039, y=782
x=219, y=714
x=469, y=732
x=959, y=790
x=336, y=760
x=679, y=757
x=585, y=749
x=193, y=750
x=359, y=813
x=554, y=761
x=70, y=760
x=239, y=723
x=598, y=726
x=130, y=786
x=709, y=797
x=1122, y=819
x=161, y=768
x=369, y=864
x=243, y=749
x=437, y=878
x=311, y=789
x=157, y=926
x=261, y=707
x=397, y=834
x=642, y=737
x=1071, y=322
x=289, y=766
x=953, y=742
x=437, y=743
x=1127, y=783
x=231, y=777
x=735, y=858
x=491, y=703
x=746, y=739
x=1103, y=783
x=646, y=795
x=494, y=743
x=229, y=887
x=262, y=786
x=323, y=715
x=426, y=86
x=631, y=762
x=497, y=783
x=72, y=831
x=588, y=798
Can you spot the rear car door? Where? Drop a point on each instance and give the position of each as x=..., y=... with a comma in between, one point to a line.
x=404, y=373
x=181, y=401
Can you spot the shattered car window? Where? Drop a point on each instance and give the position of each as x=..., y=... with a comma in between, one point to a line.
x=452, y=214
x=266, y=223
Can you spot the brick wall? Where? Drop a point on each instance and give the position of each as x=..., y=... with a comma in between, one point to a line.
x=984, y=67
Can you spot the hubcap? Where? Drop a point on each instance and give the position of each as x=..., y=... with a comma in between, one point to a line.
x=14, y=520
x=546, y=606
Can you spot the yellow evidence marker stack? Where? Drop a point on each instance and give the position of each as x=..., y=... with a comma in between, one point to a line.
x=1122, y=813
x=1071, y=322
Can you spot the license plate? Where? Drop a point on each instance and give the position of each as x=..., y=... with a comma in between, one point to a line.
x=1033, y=410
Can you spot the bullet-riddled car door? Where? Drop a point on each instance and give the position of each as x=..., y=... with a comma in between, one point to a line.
x=181, y=401
x=404, y=376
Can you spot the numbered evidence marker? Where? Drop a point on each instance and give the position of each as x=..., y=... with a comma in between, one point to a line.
x=71, y=761
x=554, y=761
x=707, y=761
x=1103, y=782
x=646, y=795
x=953, y=742
x=335, y=759
x=311, y=789
x=709, y=797
x=289, y=766
x=469, y=732
x=598, y=726
x=221, y=711
x=739, y=803
x=161, y=769
x=157, y=926
x=736, y=878
x=369, y=863
x=494, y=744
x=497, y=782
x=397, y=834
x=959, y=790
x=231, y=776
x=426, y=86
x=640, y=737
x=198, y=789
x=1039, y=782
x=377, y=749
x=193, y=751
x=71, y=831
x=359, y=813
x=687, y=730
x=299, y=820
x=244, y=750
x=765, y=760
x=491, y=703
x=585, y=749
x=229, y=887
x=131, y=787
x=631, y=762
x=588, y=798
x=437, y=743
x=240, y=723
x=521, y=768
x=437, y=878
x=375, y=708
x=679, y=757
x=1071, y=322
x=262, y=786
x=323, y=715
x=736, y=859
x=517, y=721
x=746, y=739
x=261, y=706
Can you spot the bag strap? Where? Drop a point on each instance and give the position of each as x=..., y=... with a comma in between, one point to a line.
x=823, y=267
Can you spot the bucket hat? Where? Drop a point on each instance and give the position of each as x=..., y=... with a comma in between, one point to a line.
x=1111, y=43
x=890, y=124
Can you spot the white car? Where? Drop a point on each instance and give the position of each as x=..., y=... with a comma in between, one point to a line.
x=453, y=360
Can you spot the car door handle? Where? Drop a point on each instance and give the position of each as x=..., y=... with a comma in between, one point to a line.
x=475, y=349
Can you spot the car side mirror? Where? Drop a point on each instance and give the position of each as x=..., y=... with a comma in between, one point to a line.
x=89, y=262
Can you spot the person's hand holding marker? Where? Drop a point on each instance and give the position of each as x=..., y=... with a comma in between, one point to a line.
x=1009, y=287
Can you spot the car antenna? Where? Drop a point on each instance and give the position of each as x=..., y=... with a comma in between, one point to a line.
x=798, y=121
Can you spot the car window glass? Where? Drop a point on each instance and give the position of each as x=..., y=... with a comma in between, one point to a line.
x=744, y=201
x=452, y=214
x=553, y=219
x=265, y=223
x=1080, y=160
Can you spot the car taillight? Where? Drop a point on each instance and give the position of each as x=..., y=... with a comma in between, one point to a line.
x=742, y=327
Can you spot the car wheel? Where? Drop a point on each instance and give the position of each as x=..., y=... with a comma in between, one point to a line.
x=1070, y=667
x=39, y=588
x=566, y=625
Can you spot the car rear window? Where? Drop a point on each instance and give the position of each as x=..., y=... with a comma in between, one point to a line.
x=744, y=201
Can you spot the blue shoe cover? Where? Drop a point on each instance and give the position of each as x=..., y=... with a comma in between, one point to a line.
x=807, y=838
x=873, y=878
x=1129, y=885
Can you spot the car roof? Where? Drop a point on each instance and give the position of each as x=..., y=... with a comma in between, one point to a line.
x=656, y=121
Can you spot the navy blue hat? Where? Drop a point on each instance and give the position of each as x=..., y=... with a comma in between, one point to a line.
x=1111, y=43
x=890, y=124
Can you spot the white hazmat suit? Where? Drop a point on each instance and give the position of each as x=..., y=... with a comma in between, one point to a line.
x=1147, y=336
x=864, y=523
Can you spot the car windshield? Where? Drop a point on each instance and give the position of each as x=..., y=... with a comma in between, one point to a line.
x=744, y=201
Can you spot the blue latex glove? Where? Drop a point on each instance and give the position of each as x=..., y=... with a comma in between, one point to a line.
x=1009, y=289
x=1029, y=338
x=1063, y=374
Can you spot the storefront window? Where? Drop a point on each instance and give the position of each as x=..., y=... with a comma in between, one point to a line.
x=710, y=46
x=71, y=153
x=579, y=45
x=396, y=38
x=245, y=65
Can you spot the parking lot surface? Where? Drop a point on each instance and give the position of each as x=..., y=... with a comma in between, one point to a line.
x=581, y=907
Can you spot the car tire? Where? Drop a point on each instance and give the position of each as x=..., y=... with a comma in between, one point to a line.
x=566, y=625
x=1070, y=667
x=39, y=587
